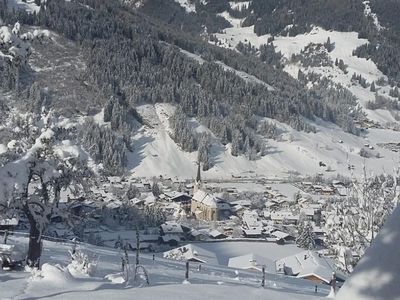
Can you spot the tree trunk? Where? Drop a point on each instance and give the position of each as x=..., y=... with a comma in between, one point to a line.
x=35, y=243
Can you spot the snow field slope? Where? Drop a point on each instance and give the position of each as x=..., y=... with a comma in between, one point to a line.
x=157, y=154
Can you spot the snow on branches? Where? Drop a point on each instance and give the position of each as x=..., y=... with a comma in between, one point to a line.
x=14, y=45
x=32, y=183
x=354, y=221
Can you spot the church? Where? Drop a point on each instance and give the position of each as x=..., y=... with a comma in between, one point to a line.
x=204, y=206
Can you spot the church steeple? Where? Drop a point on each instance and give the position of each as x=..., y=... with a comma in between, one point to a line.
x=197, y=183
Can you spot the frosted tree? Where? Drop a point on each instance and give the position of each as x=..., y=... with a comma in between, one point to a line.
x=354, y=222
x=32, y=184
x=155, y=188
x=306, y=238
x=203, y=155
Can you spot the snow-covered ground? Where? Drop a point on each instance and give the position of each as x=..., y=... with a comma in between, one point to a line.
x=57, y=281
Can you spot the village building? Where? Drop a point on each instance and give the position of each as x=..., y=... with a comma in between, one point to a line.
x=251, y=262
x=192, y=253
x=309, y=265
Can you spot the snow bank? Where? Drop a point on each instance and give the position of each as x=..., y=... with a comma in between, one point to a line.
x=55, y=275
x=117, y=278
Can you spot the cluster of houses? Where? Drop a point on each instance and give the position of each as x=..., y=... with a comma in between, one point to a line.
x=308, y=265
x=195, y=213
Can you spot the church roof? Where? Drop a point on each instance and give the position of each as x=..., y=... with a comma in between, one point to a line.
x=205, y=198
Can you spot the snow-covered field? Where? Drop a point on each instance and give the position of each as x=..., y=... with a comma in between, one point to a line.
x=57, y=281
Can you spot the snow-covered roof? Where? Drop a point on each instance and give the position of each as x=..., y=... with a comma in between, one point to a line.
x=215, y=233
x=192, y=252
x=282, y=215
x=308, y=263
x=253, y=231
x=280, y=234
x=173, y=194
x=205, y=198
x=171, y=228
x=249, y=261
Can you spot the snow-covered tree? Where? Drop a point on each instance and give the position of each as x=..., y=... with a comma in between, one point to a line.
x=354, y=221
x=203, y=155
x=155, y=188
x=32, y=183
x=306, y=238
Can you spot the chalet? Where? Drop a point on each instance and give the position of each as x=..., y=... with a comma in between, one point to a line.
x=216, y=234
x=317, y=188
x=177, y=197
x=309, y=265
x=250, y=218
x=243, y=203
x=253, y=232
x=171, y=228
x=328, y=191
x=170, y=239
x=192, y=253
x=197, y=235
x=281, y=236
x=283, y=203
x=249, y=262
x=312, y=213
x=284, y=217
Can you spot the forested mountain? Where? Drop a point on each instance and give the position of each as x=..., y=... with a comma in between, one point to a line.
x=129, y=53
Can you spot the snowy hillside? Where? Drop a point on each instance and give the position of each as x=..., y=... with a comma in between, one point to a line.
x=344, y=45
x=157, y=154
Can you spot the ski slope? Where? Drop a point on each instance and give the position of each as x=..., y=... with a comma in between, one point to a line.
x=166, y=277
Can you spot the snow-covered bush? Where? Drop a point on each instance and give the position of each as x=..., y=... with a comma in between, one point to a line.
x=81, y=264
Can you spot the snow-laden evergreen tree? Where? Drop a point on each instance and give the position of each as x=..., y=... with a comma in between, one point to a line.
x=203, y=156
x=329, y=46
x=155, y=188
x=306, y=238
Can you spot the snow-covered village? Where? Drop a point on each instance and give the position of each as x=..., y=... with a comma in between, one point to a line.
x=199, y=149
